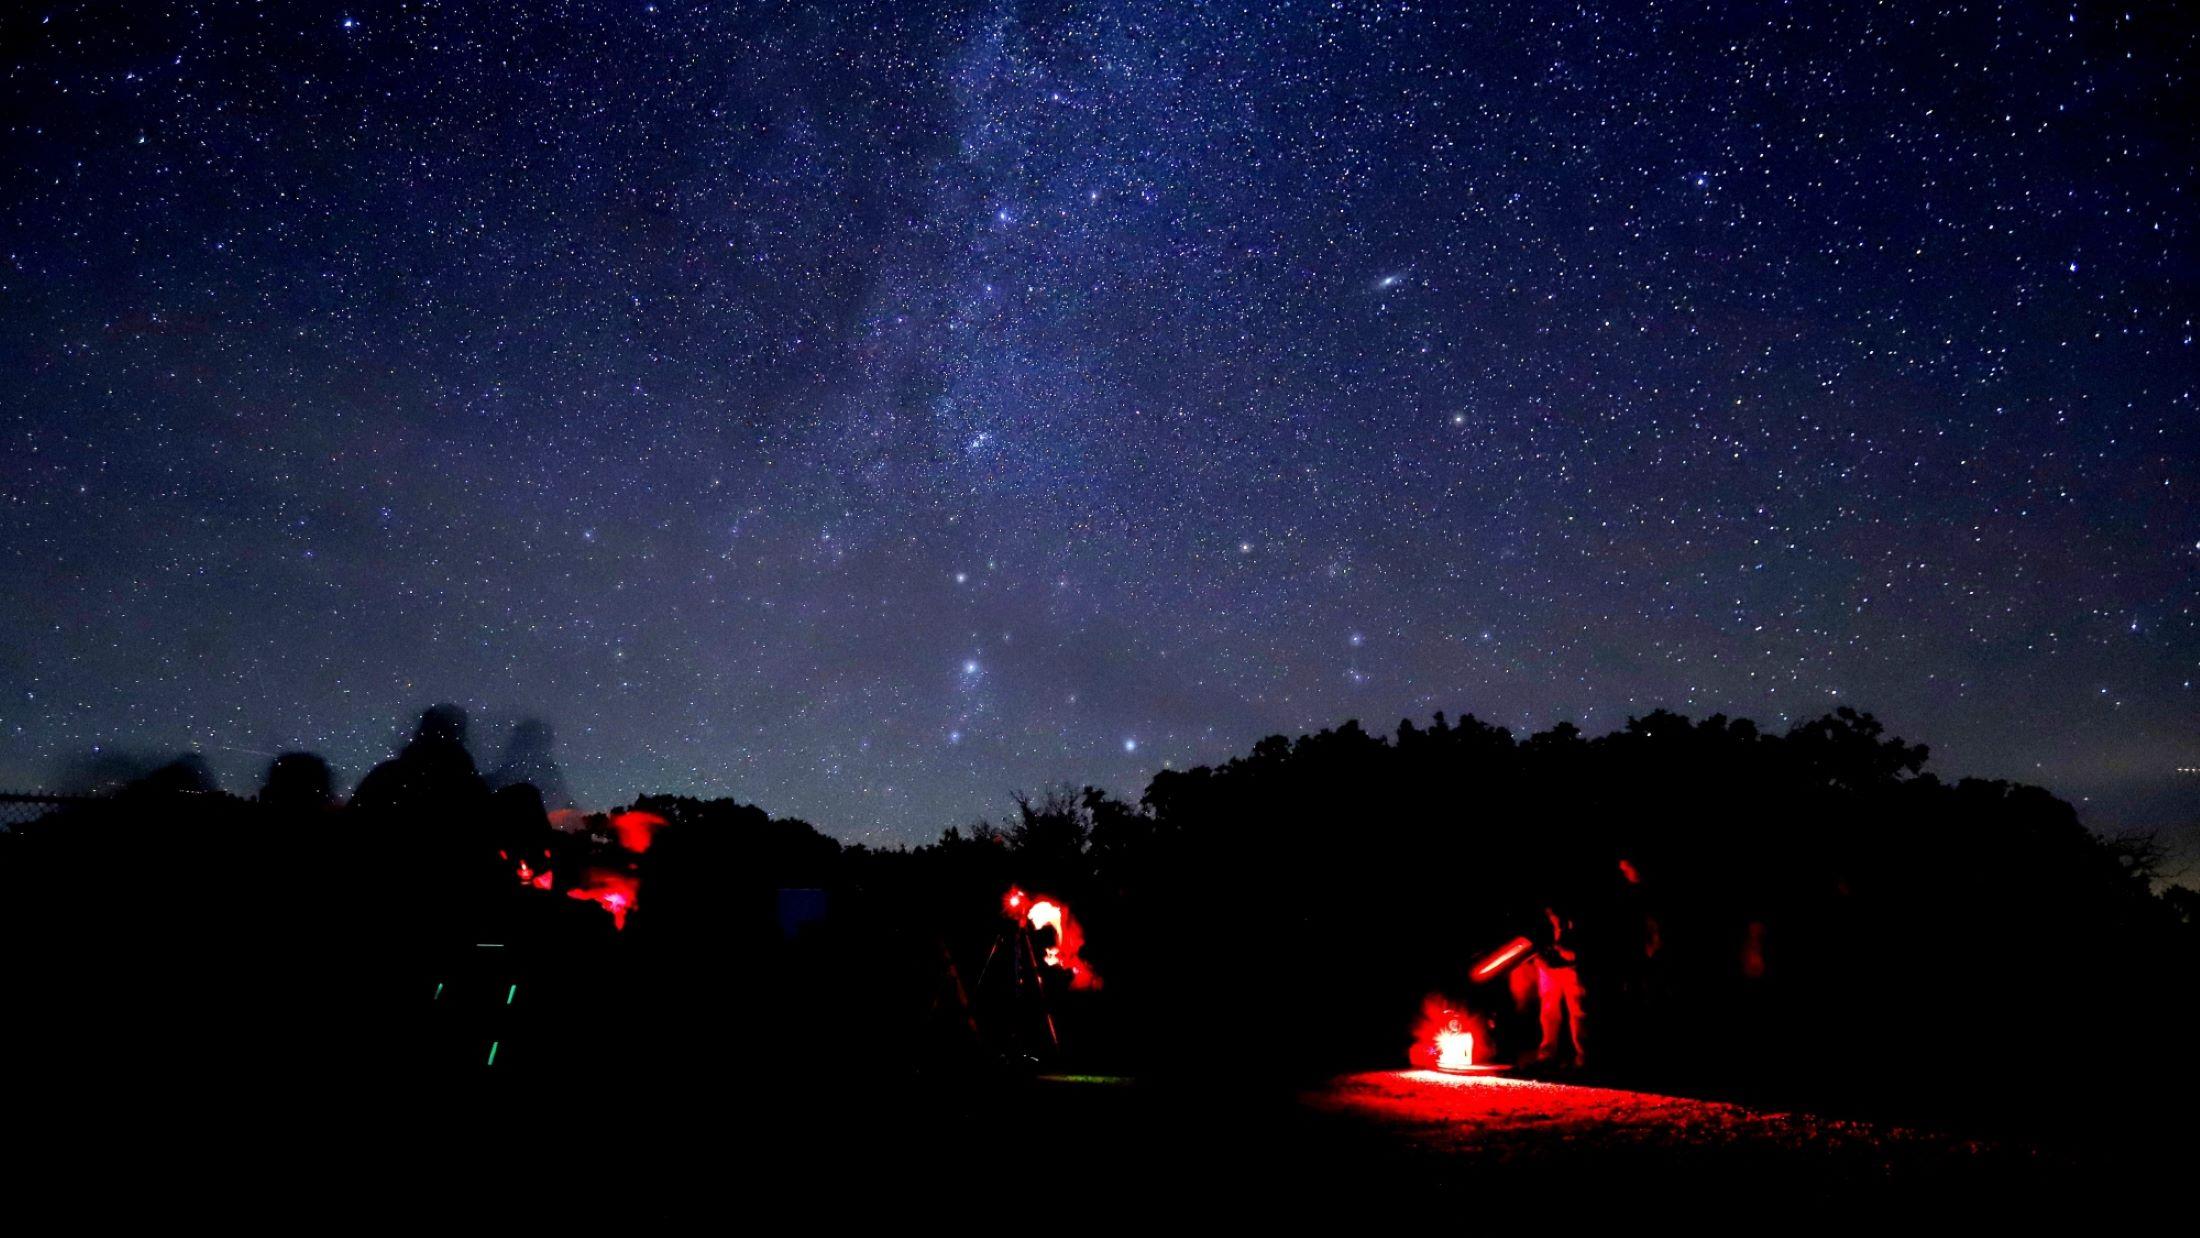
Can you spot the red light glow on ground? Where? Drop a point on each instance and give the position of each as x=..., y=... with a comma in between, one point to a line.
x=1494, y=1102
x=1507, y=1131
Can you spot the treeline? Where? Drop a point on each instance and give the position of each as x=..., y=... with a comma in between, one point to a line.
x=1809, y=917
x=1805, y=917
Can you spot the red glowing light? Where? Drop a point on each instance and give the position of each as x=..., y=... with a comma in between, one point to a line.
x=1046, y=914
x=1445, y=1037
x=544, y=879
x=1038, y=912
x=613, y=891
x=1510, y=953
x=636, y=829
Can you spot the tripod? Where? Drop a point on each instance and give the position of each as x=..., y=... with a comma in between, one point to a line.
x=1027, y=989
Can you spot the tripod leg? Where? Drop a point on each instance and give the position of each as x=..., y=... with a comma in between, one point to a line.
x=954, y=982
x=1039, y=981
x=977, y=990
x=988, y=965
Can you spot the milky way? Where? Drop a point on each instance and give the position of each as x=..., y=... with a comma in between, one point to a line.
x=872, y=410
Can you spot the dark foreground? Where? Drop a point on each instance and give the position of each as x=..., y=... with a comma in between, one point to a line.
x=986, y=1151
x=1467, y=1138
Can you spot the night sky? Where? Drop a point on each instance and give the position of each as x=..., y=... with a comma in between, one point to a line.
x=870, y=410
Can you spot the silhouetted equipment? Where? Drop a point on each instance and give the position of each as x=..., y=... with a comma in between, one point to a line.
x=1012, y=1018
x=1504, y=959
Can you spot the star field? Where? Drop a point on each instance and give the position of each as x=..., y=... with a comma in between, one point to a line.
x=868, y=410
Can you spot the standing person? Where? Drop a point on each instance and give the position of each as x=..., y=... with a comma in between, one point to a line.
x=1629, y=966
x=1558, y=986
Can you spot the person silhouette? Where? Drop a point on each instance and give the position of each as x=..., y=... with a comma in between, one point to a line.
x=530, y=758
x=432, y=775
x=1559, y=994
x=298, y=782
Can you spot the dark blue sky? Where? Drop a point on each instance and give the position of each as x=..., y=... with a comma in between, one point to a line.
x=869, y=410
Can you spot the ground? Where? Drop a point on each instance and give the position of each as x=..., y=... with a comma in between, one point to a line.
x=1404, y=1144
x=1472, y=1133
x=1004, y=1150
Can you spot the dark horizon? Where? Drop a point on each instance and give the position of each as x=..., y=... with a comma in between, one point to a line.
x=240, y=772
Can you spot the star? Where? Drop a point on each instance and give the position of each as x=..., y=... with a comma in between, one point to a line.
x=688, y=421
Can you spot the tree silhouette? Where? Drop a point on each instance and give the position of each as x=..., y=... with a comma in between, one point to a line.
x=1809, y=917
